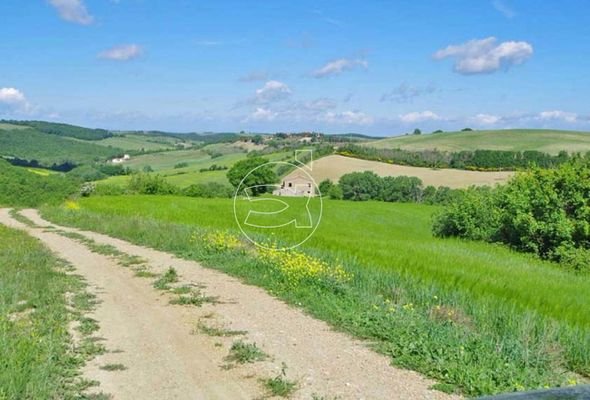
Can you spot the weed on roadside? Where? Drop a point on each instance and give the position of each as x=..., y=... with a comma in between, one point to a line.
x=194, y=298
x=217, y=331
x=164, y=281
x=280, y=385
x=243, y=353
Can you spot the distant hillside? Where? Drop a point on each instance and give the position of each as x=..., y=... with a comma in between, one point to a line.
x=58, y=129
x=49, y=149
x=547, y=141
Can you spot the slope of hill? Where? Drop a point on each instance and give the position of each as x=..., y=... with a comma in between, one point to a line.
x=138, y=142
x=547, y=141
x=30, y=144
x=67, y=130
x=334, y=166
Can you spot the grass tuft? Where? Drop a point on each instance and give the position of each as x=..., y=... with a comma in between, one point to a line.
x=243, y=353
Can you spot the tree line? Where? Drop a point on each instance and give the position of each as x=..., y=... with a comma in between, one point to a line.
x=363, y=186
x=482, y=160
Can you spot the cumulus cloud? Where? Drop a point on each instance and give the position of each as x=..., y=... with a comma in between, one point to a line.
x=419, y=117
x=124, y=52
x=15, y=101
x=72, y=11
x=12, y=96
x=336, y=67
x=405, y=93
x=261, y=114
x=486, y=119
x=558, y=115
x=484, y=56
x=272, y=91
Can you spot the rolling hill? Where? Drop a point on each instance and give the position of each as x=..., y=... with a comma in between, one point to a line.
x=334, y=166
x=547, y=141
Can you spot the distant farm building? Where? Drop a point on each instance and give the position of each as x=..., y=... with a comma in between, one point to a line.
x=126, y=157
x=296, y=185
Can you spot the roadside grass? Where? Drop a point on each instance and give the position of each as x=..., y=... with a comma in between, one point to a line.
x=244, y=353
x=164, y=281
x=478, y=318
x=280, y=385
x=37, y=357
x=193, y=298
x=217, y=331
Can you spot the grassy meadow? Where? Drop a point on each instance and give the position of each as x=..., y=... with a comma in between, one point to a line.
x=167, y=163
x=36, y=356
x=547, y=141
x=139, y=142
x=479, y=318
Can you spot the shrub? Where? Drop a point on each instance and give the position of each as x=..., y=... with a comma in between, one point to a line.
x=325, y=186
x=141, y=183
x=473, y=215
x=208, y=190
x=401, y=188
x=546, y=212
x=360, y=186
x=335, y=192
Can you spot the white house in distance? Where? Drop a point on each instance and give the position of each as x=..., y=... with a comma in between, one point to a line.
x=297, y=184
x=121, y=160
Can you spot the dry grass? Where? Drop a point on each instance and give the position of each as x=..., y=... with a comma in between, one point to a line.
x=334, y=166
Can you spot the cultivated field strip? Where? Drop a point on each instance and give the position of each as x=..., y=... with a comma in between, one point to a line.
x=323, y=363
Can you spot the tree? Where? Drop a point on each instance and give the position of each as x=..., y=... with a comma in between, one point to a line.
x=257, y=139
x=417, y=132
x=255, y=172
x=438, y=131
x=401, y=188
x=466, y=130
x=360, y=186
x=335, y=192
x=325, y=187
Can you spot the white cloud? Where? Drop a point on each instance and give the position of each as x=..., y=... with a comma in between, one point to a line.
x=14, y=101
x=419, y=117
x=336, y=67
x=124, y=52
x=12, y=96
x=486, y=119
x=558, y=115
x=482, y=56
x=503, y=8
x=261, y=114
x=272, y=91
x=72, y=11
x=346, y=118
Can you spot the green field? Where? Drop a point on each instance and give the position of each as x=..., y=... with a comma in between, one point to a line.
x=5, y=126
x=163, y=163
x=139, y=142
x=477, y=317
x=38, y=359
x=547, y=141
x=30, y=144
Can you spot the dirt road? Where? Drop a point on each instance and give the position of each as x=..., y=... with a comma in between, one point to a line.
x=167, y=357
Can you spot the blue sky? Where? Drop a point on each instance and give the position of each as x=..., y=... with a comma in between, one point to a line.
x=375, y=67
